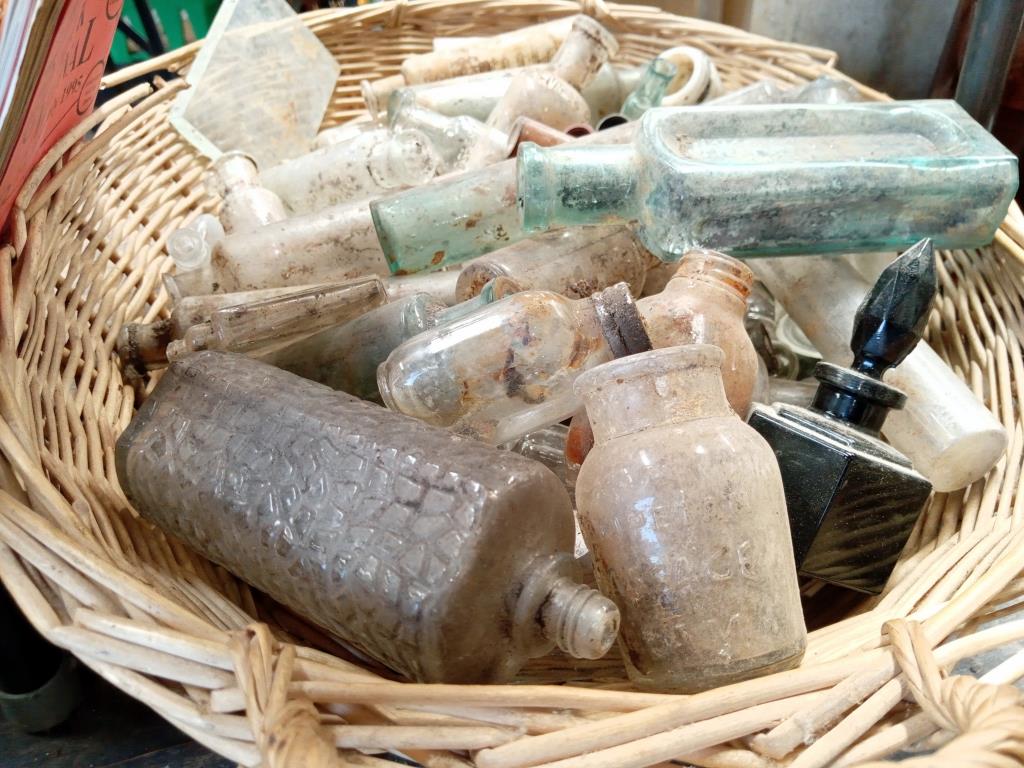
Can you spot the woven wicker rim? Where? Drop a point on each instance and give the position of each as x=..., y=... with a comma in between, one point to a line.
x=243, y=676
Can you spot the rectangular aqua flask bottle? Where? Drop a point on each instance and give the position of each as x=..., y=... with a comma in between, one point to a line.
x=783, y=178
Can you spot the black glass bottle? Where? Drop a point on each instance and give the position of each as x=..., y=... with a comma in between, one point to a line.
x=853, y=499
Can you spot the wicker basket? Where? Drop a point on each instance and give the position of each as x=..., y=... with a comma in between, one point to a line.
x=257, y=685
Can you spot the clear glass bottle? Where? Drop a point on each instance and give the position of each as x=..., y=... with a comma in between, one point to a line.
x=682, y=507
x=547, y=445
x=444, y=559
x=191, y=248
x=369, y=165
x=477, y=95
x=259, y=327
x=347, y=356
x=331, y=245
x=553, y=96
x=458, y=217
x=508, y=369
x=754, y=180
x=651, y=89
x=346, y=132
x=247, y=204
x=948, y=434
x=575, y=263
x=460, y=143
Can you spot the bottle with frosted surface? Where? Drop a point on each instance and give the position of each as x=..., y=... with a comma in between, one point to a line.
x=552, y=96
x=651, y=89
x=782, y=179
x=944, y=429
x=441, y=558
x=682, y=507
x=247, y=204
x=508, y=369
x=369, y=165
x=575, y=263
x=334, y=244
x=460, y=143
x=346, y=357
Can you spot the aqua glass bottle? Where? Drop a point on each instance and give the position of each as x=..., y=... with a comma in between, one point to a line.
x=651, y=89
x=782, y=179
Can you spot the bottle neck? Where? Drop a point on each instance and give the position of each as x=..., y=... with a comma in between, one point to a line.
x=710, y=270
x=572, y=186
x=854, y=398
x=651, y=90
x=587, y=46
x=234, y=171
x=663, y=386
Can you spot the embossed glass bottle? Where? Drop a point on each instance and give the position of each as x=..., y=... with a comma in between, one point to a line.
x=552, y=96
x=508, y=369
x=247, y=204
x=347, y=357
x=441, y=558
x=368, y=165
x=682, y=507
x=575, y=263
x=782, y=179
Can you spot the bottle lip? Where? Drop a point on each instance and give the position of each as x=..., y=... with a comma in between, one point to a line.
x=594, y=30
x=717, y=268
x=652, y=363
x=859, y=385
x=621, y=323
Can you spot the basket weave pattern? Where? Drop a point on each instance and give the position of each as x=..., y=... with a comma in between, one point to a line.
x=259, y=686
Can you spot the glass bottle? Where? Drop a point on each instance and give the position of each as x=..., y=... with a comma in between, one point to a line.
x=754, y=180
x=368, y=165
x=346, y=132
x=460, y=142
x=191, y=248
x=552, y=96
x=458, y=217
x=853, y=501
x=575, y=263
x=247, y=204
x=948, y=434
x=508, y=369
x=262, y=326
x=682, y=507
x=651, y=89
x=705, y=303
x=441, y=558
x=333, y=244
x=547, y=445
x=477, y=95
x=346, y=357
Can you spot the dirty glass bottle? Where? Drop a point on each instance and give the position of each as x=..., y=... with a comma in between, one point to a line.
x=262, y=326
x=853, y=500
x=552, y=95
x=369, y=165
x=753, y=180
x=705, y=303
x=682, y=507
x=575, y=263
x=944, y=429
x=460, y=143
x=346, y=357
x=508, y=369
x=441, y=558
x=247, y=204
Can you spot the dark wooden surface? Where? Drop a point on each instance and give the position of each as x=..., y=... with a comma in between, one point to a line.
x=107, y=729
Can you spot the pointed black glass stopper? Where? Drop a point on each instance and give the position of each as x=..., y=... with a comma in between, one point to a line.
x=893, y=315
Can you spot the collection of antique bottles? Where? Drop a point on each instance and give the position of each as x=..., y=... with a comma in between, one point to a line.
x=564, y=338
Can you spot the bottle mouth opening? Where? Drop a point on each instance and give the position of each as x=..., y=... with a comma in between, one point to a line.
x=718, y=268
